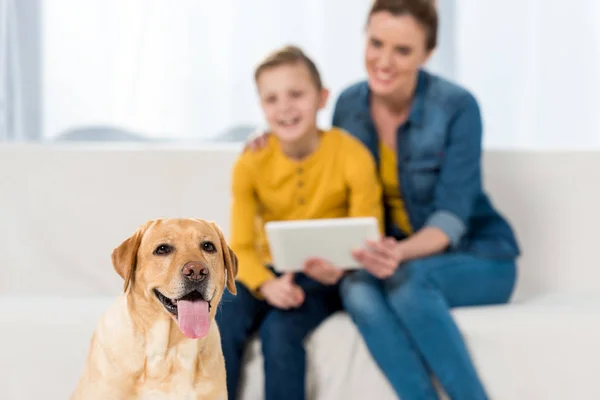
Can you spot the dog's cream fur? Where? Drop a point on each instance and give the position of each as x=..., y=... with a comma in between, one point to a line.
x=138, y=350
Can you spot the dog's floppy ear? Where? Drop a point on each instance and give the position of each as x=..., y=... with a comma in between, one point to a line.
x=229, y=259
x=124, y=257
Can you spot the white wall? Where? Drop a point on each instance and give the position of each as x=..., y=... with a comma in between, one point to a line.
x=535, y=67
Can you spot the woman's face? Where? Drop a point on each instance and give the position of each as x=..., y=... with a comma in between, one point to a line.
x=395, y=50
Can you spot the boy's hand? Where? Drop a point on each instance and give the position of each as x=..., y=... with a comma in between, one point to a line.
x=282, y=292
x=322, y=271
x=256, y=141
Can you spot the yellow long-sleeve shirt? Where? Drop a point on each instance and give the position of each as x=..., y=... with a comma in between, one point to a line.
x=339, y=179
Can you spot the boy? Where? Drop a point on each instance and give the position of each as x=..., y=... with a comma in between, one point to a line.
x=302, y=173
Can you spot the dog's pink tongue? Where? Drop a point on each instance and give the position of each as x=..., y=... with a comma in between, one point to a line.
x=193, y=318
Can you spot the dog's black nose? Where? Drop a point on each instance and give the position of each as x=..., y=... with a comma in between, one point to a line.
x=195, y=271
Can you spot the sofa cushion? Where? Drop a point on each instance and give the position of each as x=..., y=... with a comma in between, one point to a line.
x=520, y=349
x=524, y=350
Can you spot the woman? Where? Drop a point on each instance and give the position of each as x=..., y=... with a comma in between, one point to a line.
x=446, y=245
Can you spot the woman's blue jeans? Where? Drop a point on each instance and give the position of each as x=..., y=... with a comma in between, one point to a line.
x=406, y=322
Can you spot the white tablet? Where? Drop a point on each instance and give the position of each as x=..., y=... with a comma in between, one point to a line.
x=293, y=242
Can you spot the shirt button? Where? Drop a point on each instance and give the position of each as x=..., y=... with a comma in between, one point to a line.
x=300, y=184
x=300, y=170
x=301, y=201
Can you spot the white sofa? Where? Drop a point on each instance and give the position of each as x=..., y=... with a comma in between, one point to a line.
x=63, y=208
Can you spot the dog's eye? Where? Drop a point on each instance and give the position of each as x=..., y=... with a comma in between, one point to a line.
x=163, y=249
x=208, y=247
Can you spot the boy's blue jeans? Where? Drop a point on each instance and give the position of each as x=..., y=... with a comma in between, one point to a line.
x=282, y=333
x=407, y=325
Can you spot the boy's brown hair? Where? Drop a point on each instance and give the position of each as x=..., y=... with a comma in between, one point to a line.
x=424, y=11
x=289, y=55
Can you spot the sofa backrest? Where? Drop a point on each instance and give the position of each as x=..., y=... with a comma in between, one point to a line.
x=64, y=208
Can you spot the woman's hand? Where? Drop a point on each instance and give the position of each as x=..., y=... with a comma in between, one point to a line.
x=322, y=271
x=256, y=140
x=381, y=258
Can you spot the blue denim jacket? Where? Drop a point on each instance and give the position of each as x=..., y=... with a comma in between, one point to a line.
x=439, y=164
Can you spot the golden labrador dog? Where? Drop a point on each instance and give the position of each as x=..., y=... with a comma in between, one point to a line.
x=159, y=339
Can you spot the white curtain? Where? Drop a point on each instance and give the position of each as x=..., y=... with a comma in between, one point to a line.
x=11, y=99
x=183, y=70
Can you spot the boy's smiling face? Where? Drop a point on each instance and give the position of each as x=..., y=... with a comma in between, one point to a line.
x=290, y=100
